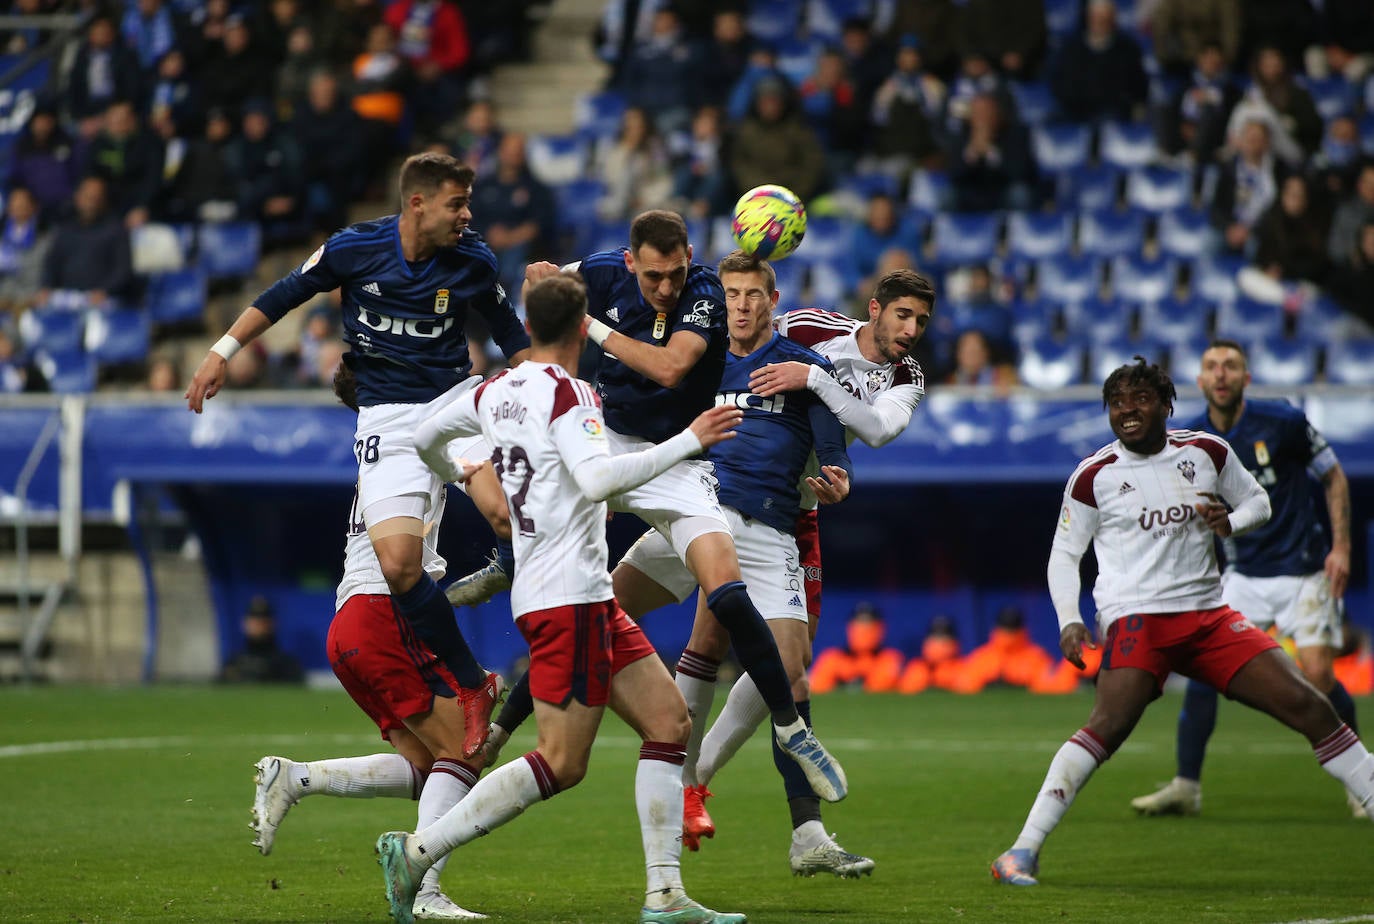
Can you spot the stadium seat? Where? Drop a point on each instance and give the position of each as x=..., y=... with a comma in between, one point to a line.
x=1111, y=233
x=1248, y=320
x=827, y=237
x=1333, y=96
x=1185, y=232
x=913, y=226
x=1061, y=147
x=1127, y=144
x=796, y=58
x=772, y=21
x=1323, y=320
x=1036, y=235
x=229, y=249
x=1138, y=279
x=1062, y=17
x=54, y=330
x=1089, y=188
x=929, y=190
x=1033, y=320
x=598, y=235
x=1214, y=277
x=1106, y=356
x=117, y=336
x=1350, y=362
x=791, y=275
x=825, y=19
x=833, y=281
x=598, y=115
x=867, y=185
x=1283, y=362
x=1035, y=103
x=156, y=248
x=178, y=297
x=1176, y=320
x=1185, y=358
x=1157, y=189
x=958, y=239
x=1068, y=279
x=557, y=159
x=1098, y=320
x=1047, y=363
x=1367, y=134
x=69, y=372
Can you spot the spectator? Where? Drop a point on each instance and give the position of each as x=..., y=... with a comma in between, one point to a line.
x=991, y=166
x=22, y=248
x=662, y=75
x=1183, y=28
x=1011, y=33
x=89, y=254
x=636, y=169
x=831, y=105
x=879, y=230
x=515, y=212
x=1351, y=216
x=937, y=23
x=905, y=110
x=699, y=177
x=1294, y=123
x=47, y=161
x=1247, y=186
x=260, y=660
x=479, y=138
x=863, y=661
x=774, y=145
x=102, y=72
x=381, y=78
x=977, y=308
x=163, y=376
x=17, y=372
x=623, y=25
x=1353, y=281
x=726, y=56
x=763, y=65
x=300, y=63
x=976, y=78
x=21, y=40
x=343, y=29
x=1287, y=25
x=321, y=327
x=274, y=24
x=250, y=368
x=866, y=60
x=196, y=185
x=1345, y=40
x=264, y=166
x=326, y=129
x=150, y=30
x=174, y=93
x=128, y=157
x=240, y=70
x=1099, y=73
x=974, y=363
x=1195, y=121
x=1336, y=166
x=433, y=37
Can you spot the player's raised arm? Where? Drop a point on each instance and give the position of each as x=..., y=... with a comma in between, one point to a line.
x=209, y=377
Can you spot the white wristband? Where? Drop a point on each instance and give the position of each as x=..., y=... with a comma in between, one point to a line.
x=598, y=331
x=226, y=347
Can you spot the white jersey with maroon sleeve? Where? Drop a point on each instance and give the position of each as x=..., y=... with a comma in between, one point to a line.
x=540, y=423
x=1155, y=554
x=362, y=571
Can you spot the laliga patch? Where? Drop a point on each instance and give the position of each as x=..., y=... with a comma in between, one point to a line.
x=311, y=260
x=592, y=427
x=1064, y=517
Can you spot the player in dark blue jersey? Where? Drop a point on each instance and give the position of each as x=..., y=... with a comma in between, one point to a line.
x=407, y=284
x=1284, y=574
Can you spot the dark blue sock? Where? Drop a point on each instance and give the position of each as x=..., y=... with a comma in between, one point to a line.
x=429, y=614
x=505, y=557
x=1345, y=706
x=1195, y=723
x=519, y=705
x=755, y=648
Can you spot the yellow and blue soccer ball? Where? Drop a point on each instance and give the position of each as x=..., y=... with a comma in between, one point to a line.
x=769, y=222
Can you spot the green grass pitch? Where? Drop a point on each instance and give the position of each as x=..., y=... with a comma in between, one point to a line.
x=152, y=824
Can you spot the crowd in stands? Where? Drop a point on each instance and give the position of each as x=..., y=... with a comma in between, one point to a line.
x=1084, y=179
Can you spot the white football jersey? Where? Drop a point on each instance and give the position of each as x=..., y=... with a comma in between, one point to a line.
x=541, y=423
x=1155, y=554
x=362, y=571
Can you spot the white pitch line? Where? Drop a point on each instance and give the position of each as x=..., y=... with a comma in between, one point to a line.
x=1354, y=920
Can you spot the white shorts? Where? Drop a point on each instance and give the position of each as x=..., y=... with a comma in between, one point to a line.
x=681, y=503
x=388, y=463
x=1300, y=606
x=768, y=564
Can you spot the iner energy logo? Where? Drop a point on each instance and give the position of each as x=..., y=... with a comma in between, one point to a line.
x=1166, y=522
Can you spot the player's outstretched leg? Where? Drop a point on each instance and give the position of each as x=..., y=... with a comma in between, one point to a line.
x=487, y=581
x=823, y=771
x=1183, y=794
x=402, y=881
x=280, y=783
x=272, y=799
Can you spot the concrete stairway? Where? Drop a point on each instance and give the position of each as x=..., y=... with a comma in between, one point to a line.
x=540, y=96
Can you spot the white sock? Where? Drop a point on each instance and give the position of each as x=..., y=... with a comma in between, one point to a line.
x=658, y=799
x=1343, y=756
x=696, y=678
x=744, y=712
x=496, y=799
x=387, y=775
x=448, y=782
x=1069, y=771
x=809, y=834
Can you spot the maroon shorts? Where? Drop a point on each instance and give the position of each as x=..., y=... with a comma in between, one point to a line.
x=389, y=672
x=809, y=548
x=1207, y=645
x=576, y=649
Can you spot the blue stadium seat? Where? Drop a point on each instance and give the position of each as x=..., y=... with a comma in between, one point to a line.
x=1127, y=144
x=1033, y=320
x=1035, y=104
x=1185, y=358
x=118, y=335
x=54, y=330
x=1176, y=320
x=1138, y=279
x=1283, y=362
x=1214, y=277
x=576, y=203
x=1248, y=320
x=929, y=191
x=1035, y=235
x=867, y=185
x=557, y=159
x=1157, y=189
x=229, y=250
x=1068, y=279
x=1111, y=233
x=598, y=115
x=791, y=276
x=1061, y=147
x=1062, y=17
x=1098, y=320
x=1185, y=232
x=178, y=297
x=1350, y=362
x=827, y=237
x=598, y=235
x=1333, y=96
x=1105, y=357
x=912, y=227
x=721, y=240
x=773, y=21
x=1047, y=363
x=1089, y=188
x=796, y=58
x=69, y=372
x=1324, y=321
x=959, y=239
x=833, y=281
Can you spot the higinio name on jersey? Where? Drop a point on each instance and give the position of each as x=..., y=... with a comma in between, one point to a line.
x=508, y=410
x=424, y=328
x=747, y=401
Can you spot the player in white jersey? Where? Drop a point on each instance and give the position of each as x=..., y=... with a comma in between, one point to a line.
x=550, y=450
x=407, y=691
x=876, y=387
x=1150, y=504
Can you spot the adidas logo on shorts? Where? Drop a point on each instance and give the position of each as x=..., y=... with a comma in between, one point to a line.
x=795, y=601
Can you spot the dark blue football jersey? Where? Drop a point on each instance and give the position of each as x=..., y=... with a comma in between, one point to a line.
x=634, y=404
x=760, y=468
x=405, y=320
x=1276, y=444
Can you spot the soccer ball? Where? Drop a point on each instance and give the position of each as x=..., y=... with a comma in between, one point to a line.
x=769, y=222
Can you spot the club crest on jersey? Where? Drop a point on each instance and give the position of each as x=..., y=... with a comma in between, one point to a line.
x=1188, y=470
x=1261, y=452
x=311, y=260
x=660, y=325
x=441, y=301
x=875, y=379
x=700, y=315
